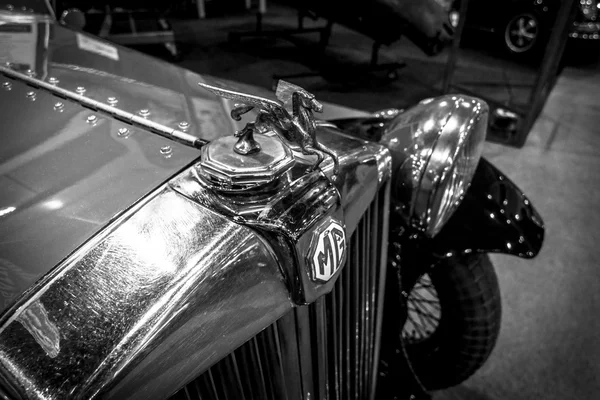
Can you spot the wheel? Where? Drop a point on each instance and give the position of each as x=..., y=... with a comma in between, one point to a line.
x=522, y=33
x=453, y=321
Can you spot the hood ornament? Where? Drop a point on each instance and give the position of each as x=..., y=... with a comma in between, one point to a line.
x=297, y=128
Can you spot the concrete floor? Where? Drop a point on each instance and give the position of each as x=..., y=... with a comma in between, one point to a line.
x=549, y=345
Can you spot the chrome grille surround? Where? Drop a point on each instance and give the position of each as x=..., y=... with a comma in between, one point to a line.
x=326, y=350
x=173, y=285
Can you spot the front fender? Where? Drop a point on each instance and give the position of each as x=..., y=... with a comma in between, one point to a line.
x=495, y=216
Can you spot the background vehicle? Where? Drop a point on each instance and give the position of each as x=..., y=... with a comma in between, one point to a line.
x=166, y=264
x=522, y=26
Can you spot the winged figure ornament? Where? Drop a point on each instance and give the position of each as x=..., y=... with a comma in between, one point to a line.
x=291, y=118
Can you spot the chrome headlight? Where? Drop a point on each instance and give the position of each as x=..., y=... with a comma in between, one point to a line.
x=436, y=147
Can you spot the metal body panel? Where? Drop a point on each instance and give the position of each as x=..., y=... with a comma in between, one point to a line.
x=171, y=287
x=170, y=279
x=64, y=178
x=103, y=70
x=495, y=216
x=326, y=350
x=148, y=290
x=70, y=176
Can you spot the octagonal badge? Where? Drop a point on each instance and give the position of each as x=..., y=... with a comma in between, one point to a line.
x=327, y=250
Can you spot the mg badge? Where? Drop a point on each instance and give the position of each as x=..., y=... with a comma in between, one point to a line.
x=327, y=251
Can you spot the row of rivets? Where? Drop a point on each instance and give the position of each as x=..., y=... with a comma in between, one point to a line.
x=166, y=151
x=10, y=7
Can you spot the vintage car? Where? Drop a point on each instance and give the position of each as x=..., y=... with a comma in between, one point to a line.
x=166, y=234
x=524, y=26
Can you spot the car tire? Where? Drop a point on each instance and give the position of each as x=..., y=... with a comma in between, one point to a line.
x=468, y=325
x=521, y=33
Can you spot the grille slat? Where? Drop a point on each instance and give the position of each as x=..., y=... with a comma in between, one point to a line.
x=256, y=363
x=364, y=297
x=326, y=350
x=334, y=331
x=322, y=348
x=303, y=328
x=289, y=354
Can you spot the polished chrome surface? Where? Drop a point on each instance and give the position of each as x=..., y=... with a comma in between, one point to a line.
x=289, y=209
x=428, y=143
x=287, y=214
x=226, y=169
x=326, y=350
x=327, y=250
x=156, y=298
x=291, y=118
x=364, y=167
x=388, y=113
x=64, y=179
x=149, y=302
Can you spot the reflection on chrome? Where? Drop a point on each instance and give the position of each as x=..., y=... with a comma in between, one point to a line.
x=53, y=204
x=161, y=273
x=6, y=211
x=436, y=146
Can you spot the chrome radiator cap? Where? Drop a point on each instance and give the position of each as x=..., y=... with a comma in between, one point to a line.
x=226, y=170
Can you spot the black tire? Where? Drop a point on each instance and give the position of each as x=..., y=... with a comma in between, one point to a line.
x=468, y=327
x=510, y=36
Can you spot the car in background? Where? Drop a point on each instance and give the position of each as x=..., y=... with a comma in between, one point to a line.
x=522, y=27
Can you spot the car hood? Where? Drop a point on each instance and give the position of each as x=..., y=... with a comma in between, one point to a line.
x=67, y=170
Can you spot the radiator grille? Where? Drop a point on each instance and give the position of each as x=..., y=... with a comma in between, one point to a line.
x=326, y=350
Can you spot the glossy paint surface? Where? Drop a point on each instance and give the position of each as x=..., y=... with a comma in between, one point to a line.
x=170, y=289
x=495, y=216
x=65, y=172
x=65, y=177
